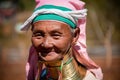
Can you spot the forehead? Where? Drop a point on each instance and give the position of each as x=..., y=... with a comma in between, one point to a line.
x=51, y=25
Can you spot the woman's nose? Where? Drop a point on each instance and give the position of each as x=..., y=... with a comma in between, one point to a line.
x=47, y=43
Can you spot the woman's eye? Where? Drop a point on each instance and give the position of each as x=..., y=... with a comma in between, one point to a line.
x=56, y=36
x=38, y=35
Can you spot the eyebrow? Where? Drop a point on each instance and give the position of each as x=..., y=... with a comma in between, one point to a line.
x=37, y=31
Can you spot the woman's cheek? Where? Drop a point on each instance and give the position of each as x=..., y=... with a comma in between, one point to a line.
x=63, y=44
x=35, y=42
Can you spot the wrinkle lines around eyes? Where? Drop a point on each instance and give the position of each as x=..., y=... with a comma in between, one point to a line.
x=38, y=33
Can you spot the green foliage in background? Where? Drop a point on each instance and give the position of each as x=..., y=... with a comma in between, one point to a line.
x=109, y=8
x=27, y=4
x=23, y=4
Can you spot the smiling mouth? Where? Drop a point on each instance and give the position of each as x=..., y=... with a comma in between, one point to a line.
x=50, y=53
x=44, y=54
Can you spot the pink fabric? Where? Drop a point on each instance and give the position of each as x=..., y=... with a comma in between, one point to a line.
x=71, y=4
x=80, y=51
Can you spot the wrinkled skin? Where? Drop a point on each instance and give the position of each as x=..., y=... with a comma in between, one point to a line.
x=52, y=39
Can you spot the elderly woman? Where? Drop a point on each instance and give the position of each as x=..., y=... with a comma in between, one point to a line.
x=59, y=45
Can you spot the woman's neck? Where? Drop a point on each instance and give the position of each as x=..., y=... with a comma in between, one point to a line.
x=68, y=68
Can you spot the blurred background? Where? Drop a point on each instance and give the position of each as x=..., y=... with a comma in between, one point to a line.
x=103, y=37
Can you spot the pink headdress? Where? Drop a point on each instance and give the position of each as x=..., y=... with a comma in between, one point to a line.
x=80, y=48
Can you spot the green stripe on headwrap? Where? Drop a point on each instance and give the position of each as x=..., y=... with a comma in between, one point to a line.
x=54, y=17
x=51, y=16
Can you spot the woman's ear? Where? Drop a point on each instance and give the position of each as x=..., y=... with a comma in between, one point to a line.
x=76, y=35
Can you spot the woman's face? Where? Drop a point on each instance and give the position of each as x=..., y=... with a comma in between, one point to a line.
x=51, y=39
